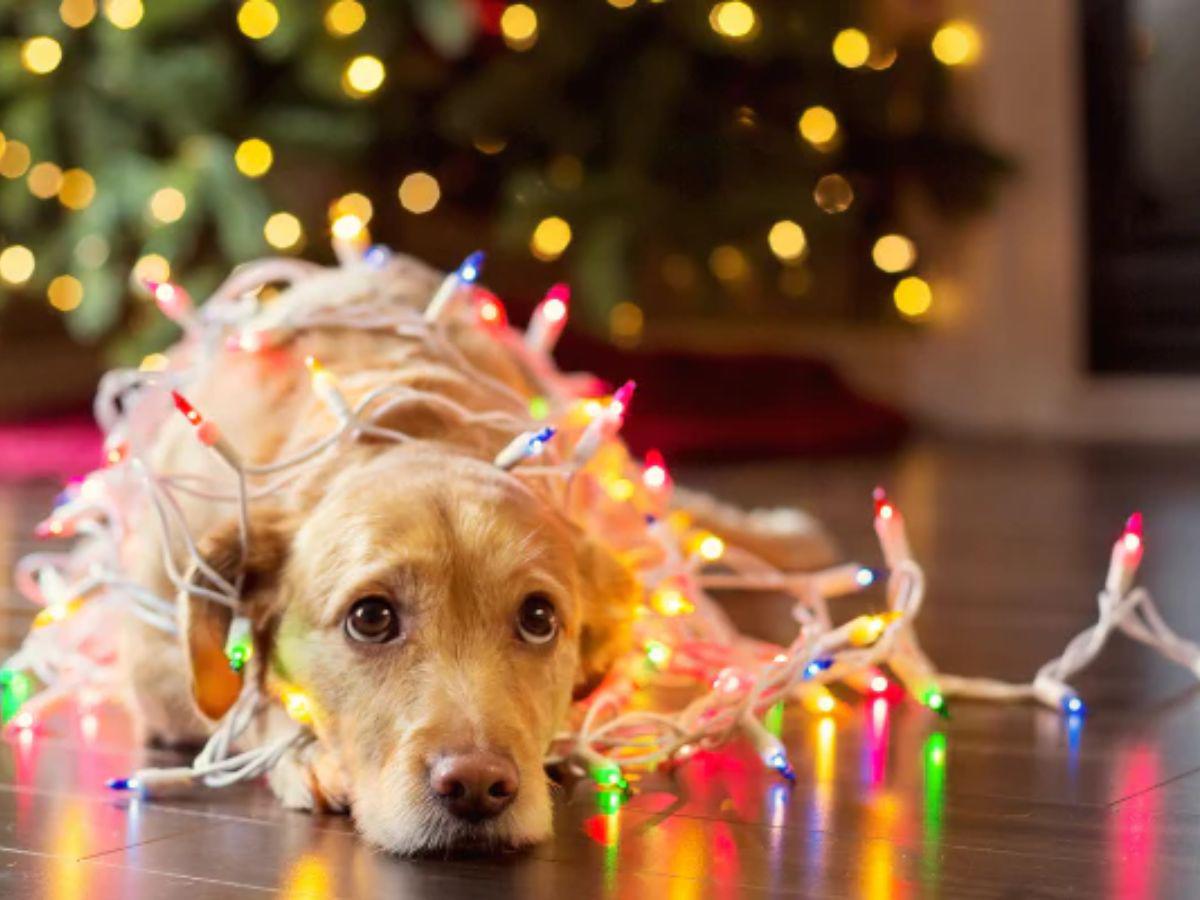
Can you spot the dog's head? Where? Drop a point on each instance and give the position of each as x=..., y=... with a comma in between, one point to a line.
x=439, y=615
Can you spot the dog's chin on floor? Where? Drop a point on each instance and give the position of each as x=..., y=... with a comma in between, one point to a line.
x=439, y=835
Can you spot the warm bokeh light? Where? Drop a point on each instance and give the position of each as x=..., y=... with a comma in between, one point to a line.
x=92, y=251
x=519, y=26
x=894, y=253
x=154, y=362
x=41, y=55
x=363, y=76
x=16, y=264
x=124, y=14
x=254, y=157
x=787, y=240
x=167, y=205
x=818, y=125
x=851, y=48
x=348, y=227
x=912, y=297
x=419, y=192
x=77, y=13
x=152, y=267
x=550, y=238
x=489, y=146
x=625, y=322
x=257, y=18
x=352, y=204
x=345, y=17
x=77, y=190
x=44, y=180
x=833, y=194
x=65, y=293
x=734, y=19
x=15, y=161
x=956, y=43
x=283, y=231
x=728, y=263
x=621, y=4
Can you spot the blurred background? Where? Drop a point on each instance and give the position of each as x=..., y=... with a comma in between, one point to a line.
x=803, y=227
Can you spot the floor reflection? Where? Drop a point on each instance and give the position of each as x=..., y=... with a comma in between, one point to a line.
x=1133, y=825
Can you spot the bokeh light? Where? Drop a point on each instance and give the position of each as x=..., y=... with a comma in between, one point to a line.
x=44, y=180
x=151, y=267
x=625, y=322
x=894, y=253
x=519, y=26
x=851, y=48
x=734, y=19
x=16, y=264
x=913, y=297
x=728, y=263
x=345, y=17
x=65, y=293
x=419, y=192
x=833, y=194
x=818, y=125
x=956, y=43
x=550, y=238
x=15, y=161
x=363, y=76
x=167, y=205
x=77, y=13
x=257, y=19
x=787, y=240
x=352, y=204
x=254, y=157
x=78, y=189
x=283, y=231
x=124, y=14
x=41, y=55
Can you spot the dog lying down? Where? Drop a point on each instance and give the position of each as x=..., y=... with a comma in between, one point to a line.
x=439, y=612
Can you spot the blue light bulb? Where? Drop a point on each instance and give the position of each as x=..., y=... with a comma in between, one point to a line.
x=470, y=267
x=1073, y=706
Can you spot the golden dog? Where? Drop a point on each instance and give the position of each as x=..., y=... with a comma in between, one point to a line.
x=439, y=612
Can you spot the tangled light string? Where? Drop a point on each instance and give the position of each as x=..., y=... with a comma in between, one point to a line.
x=682, y=636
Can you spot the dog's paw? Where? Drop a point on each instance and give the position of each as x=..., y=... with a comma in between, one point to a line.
x=309, y=780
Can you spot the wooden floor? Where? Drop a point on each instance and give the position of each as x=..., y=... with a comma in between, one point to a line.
x=889, y=800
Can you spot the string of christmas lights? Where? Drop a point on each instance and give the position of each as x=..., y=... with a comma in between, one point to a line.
x=563, y=437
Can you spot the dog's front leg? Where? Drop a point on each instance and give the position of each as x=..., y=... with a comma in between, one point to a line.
x=310, y=778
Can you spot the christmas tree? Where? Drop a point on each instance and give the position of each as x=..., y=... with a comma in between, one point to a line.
x=666, y=157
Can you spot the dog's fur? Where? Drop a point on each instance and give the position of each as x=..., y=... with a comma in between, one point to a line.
x=453, y=540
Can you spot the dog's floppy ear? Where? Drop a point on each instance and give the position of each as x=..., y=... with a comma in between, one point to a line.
x=609, y=597
x=206, y=623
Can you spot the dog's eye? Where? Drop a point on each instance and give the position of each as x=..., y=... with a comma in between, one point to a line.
x=373, y=620
x=537, y=622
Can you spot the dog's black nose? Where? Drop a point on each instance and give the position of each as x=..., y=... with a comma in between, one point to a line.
x=474, y=785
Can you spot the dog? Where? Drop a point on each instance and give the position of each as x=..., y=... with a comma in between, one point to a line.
x=439, y=613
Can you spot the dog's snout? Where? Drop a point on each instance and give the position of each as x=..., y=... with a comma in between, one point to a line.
x=474, y=785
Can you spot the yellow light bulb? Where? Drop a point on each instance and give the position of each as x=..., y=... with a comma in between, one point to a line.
x=734, y=19
x=519, y=26
x=167, y=205
x=621, y=489
x=787, y=240
x=283, y=231
x=913, y=297
x=956, y=43
x=550, y=238
x=41, y=55
x=818, y=125
x=419, y=192
x=124, y=14
x=257, y=19
x=894, y=253
x=348, y=227
x=345, y=17
x=154, y=362
x=16, y=264
x=851, y=48
x=363, y=76
x=77, y=190
x=65, y=293
x=710, y=547
x=253, y=157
